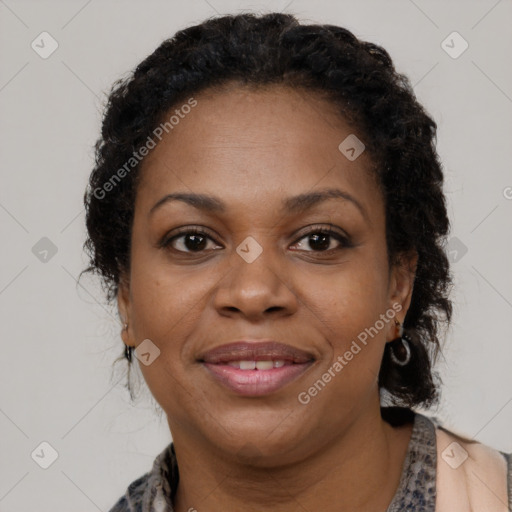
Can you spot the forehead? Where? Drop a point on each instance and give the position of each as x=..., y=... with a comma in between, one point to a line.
x=242, y=143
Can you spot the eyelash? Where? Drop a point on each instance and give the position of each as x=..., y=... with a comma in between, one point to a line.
x=344, y=241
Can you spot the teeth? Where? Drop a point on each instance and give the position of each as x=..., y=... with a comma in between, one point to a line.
x=264, y=365
x=253, y=365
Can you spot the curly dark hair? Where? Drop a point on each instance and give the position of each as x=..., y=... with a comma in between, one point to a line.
x=361, y=82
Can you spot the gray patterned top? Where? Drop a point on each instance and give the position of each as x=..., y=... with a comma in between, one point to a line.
x=416, y=491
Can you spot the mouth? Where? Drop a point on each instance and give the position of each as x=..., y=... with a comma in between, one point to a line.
x=256, y=368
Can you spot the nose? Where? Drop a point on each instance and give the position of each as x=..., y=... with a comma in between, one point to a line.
x=255, y=289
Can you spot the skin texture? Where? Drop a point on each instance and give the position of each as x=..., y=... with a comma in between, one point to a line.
x=252, y=148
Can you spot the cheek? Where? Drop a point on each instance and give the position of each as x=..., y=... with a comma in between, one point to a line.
x=165, y=298
x=351, y=298
x=168, y=305
x=349, y=304
x=166, y=309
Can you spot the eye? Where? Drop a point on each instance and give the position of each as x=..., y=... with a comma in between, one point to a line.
x=188, y=240
x=195, y=240
x=320, y=240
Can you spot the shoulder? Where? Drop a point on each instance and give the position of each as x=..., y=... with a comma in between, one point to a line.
x=154, y=488
x=131, y=501
x=470, y=474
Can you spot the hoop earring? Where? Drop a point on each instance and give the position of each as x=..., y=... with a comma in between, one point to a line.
x=401, y=345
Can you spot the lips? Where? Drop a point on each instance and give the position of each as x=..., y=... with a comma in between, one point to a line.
x=256, y=368
x=255, y=351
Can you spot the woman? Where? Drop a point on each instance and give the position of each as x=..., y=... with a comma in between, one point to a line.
x=267, y=211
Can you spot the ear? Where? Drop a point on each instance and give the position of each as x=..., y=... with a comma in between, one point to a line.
x=401, y=285
x=124, y=309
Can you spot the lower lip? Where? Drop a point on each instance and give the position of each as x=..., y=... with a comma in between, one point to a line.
x=256, y=382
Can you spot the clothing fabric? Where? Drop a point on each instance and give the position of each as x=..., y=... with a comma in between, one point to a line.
x=423, y=475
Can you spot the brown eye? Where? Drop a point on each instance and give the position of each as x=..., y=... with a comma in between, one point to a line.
x=193, y=240
x=321, y=240
x=188, y=241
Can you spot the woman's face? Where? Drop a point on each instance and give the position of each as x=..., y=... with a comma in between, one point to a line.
x=262, y=270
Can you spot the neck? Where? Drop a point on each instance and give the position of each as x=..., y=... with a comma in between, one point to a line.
x=358, y=471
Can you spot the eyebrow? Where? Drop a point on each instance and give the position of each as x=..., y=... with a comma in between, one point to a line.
x=291, y=205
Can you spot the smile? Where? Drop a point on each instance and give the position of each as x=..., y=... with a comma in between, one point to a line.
x=256, y=368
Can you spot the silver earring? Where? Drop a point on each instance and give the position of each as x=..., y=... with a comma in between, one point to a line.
x=405, y=344
x=401, y=343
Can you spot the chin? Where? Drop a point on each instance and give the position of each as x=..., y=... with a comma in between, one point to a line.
x=262, y=454
x=261, y=444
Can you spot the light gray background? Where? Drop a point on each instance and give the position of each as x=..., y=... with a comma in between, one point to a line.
x=58, y=339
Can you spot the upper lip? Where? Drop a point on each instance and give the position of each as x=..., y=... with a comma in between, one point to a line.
x=267, y=350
